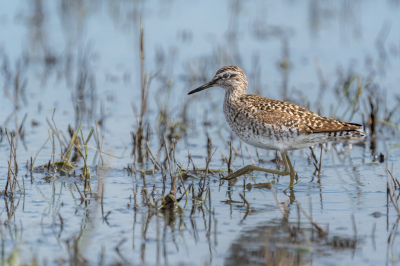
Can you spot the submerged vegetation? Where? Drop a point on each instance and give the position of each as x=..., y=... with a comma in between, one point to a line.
x=127, y=169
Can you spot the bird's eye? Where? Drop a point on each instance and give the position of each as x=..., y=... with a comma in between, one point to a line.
x=225, y=76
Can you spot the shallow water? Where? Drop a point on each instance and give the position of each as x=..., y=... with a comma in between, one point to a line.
x=83, y=59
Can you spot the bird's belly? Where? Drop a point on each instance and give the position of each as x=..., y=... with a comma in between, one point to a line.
x=266, y=137
x=285, y=141
x=263, y=143
x=272, y=137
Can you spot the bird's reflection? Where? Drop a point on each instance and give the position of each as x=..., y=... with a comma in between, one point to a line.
x=275, y=243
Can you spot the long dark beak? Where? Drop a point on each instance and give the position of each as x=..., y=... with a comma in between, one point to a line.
x=205, y=86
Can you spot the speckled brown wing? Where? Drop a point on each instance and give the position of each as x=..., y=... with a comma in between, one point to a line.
x=293, y=116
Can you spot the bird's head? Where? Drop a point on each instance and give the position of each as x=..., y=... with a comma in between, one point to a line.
x=230, y=78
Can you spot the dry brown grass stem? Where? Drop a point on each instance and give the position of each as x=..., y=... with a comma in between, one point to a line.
x=14, y=178
x=12, y=174
x=316, y=163
x=145, y=81
x=313, y=222
x=209, y=146
x=208, y=160
x=152, y=156
x=245, y=200
x=170, y=169
x=67, y=153
x=251, y=158
x=392, y=191
x=281, y=208
x=146, y=195
x=98, y=142
x=201, y=190
x=191, y=160
x=82, y=197
x=183, y=184
x=56, y=132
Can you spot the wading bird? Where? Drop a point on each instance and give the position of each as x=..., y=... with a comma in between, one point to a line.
x=271, y=124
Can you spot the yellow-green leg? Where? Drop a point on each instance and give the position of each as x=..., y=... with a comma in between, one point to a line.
x=249, y=168
x=291, y=168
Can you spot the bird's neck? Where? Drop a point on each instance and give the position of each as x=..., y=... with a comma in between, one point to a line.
x=234, y=93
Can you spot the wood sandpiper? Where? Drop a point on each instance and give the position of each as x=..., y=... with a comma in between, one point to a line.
x=271, y=124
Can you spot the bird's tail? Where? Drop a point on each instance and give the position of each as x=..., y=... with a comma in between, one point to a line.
x=356, y=134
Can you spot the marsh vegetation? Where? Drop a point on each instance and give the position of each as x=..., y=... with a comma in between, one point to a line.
x=105, y=160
